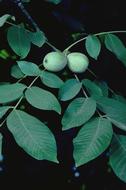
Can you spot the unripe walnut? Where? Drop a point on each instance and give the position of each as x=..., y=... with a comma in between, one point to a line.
x=54, y=61
x=77, y=62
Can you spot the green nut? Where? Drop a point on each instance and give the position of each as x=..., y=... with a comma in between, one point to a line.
x=77, y=62
x=54, y=61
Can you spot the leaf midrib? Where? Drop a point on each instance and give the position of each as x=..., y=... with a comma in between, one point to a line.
x=91, y=142
x=26, y=128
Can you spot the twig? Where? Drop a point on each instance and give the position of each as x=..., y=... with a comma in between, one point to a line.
x=97, y=34
x=82, y=86
x=19, y=101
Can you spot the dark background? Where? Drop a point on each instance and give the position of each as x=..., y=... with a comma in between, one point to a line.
x=59, y=23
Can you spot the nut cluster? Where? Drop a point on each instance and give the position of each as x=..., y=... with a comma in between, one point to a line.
x=56, y=61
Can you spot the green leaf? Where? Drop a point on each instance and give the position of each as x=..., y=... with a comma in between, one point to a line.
x=93, y=89
x=104, y=87
x=115, y=45
x=92, y=140
x=29, y=68
x=37, y=38
x=51, y=80
x=11, y=92
x=1, y=139
x=93, y=46
x=32, y=135
x=3, y=110
x=18, y=40
x=54, y=1
x=16, y=72
x=4, y=54
x=115, y=111
x=118, y=156
x=79, y=111
x=69, y=90
x=119, y=98
x=3, y=19
x=42, y=99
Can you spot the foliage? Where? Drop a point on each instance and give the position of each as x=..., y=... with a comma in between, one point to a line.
x=32, y=135
x=93, y=46
x=90, y=105
x=93, y=138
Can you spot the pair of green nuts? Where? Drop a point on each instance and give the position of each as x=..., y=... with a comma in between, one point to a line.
x=56, y=61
